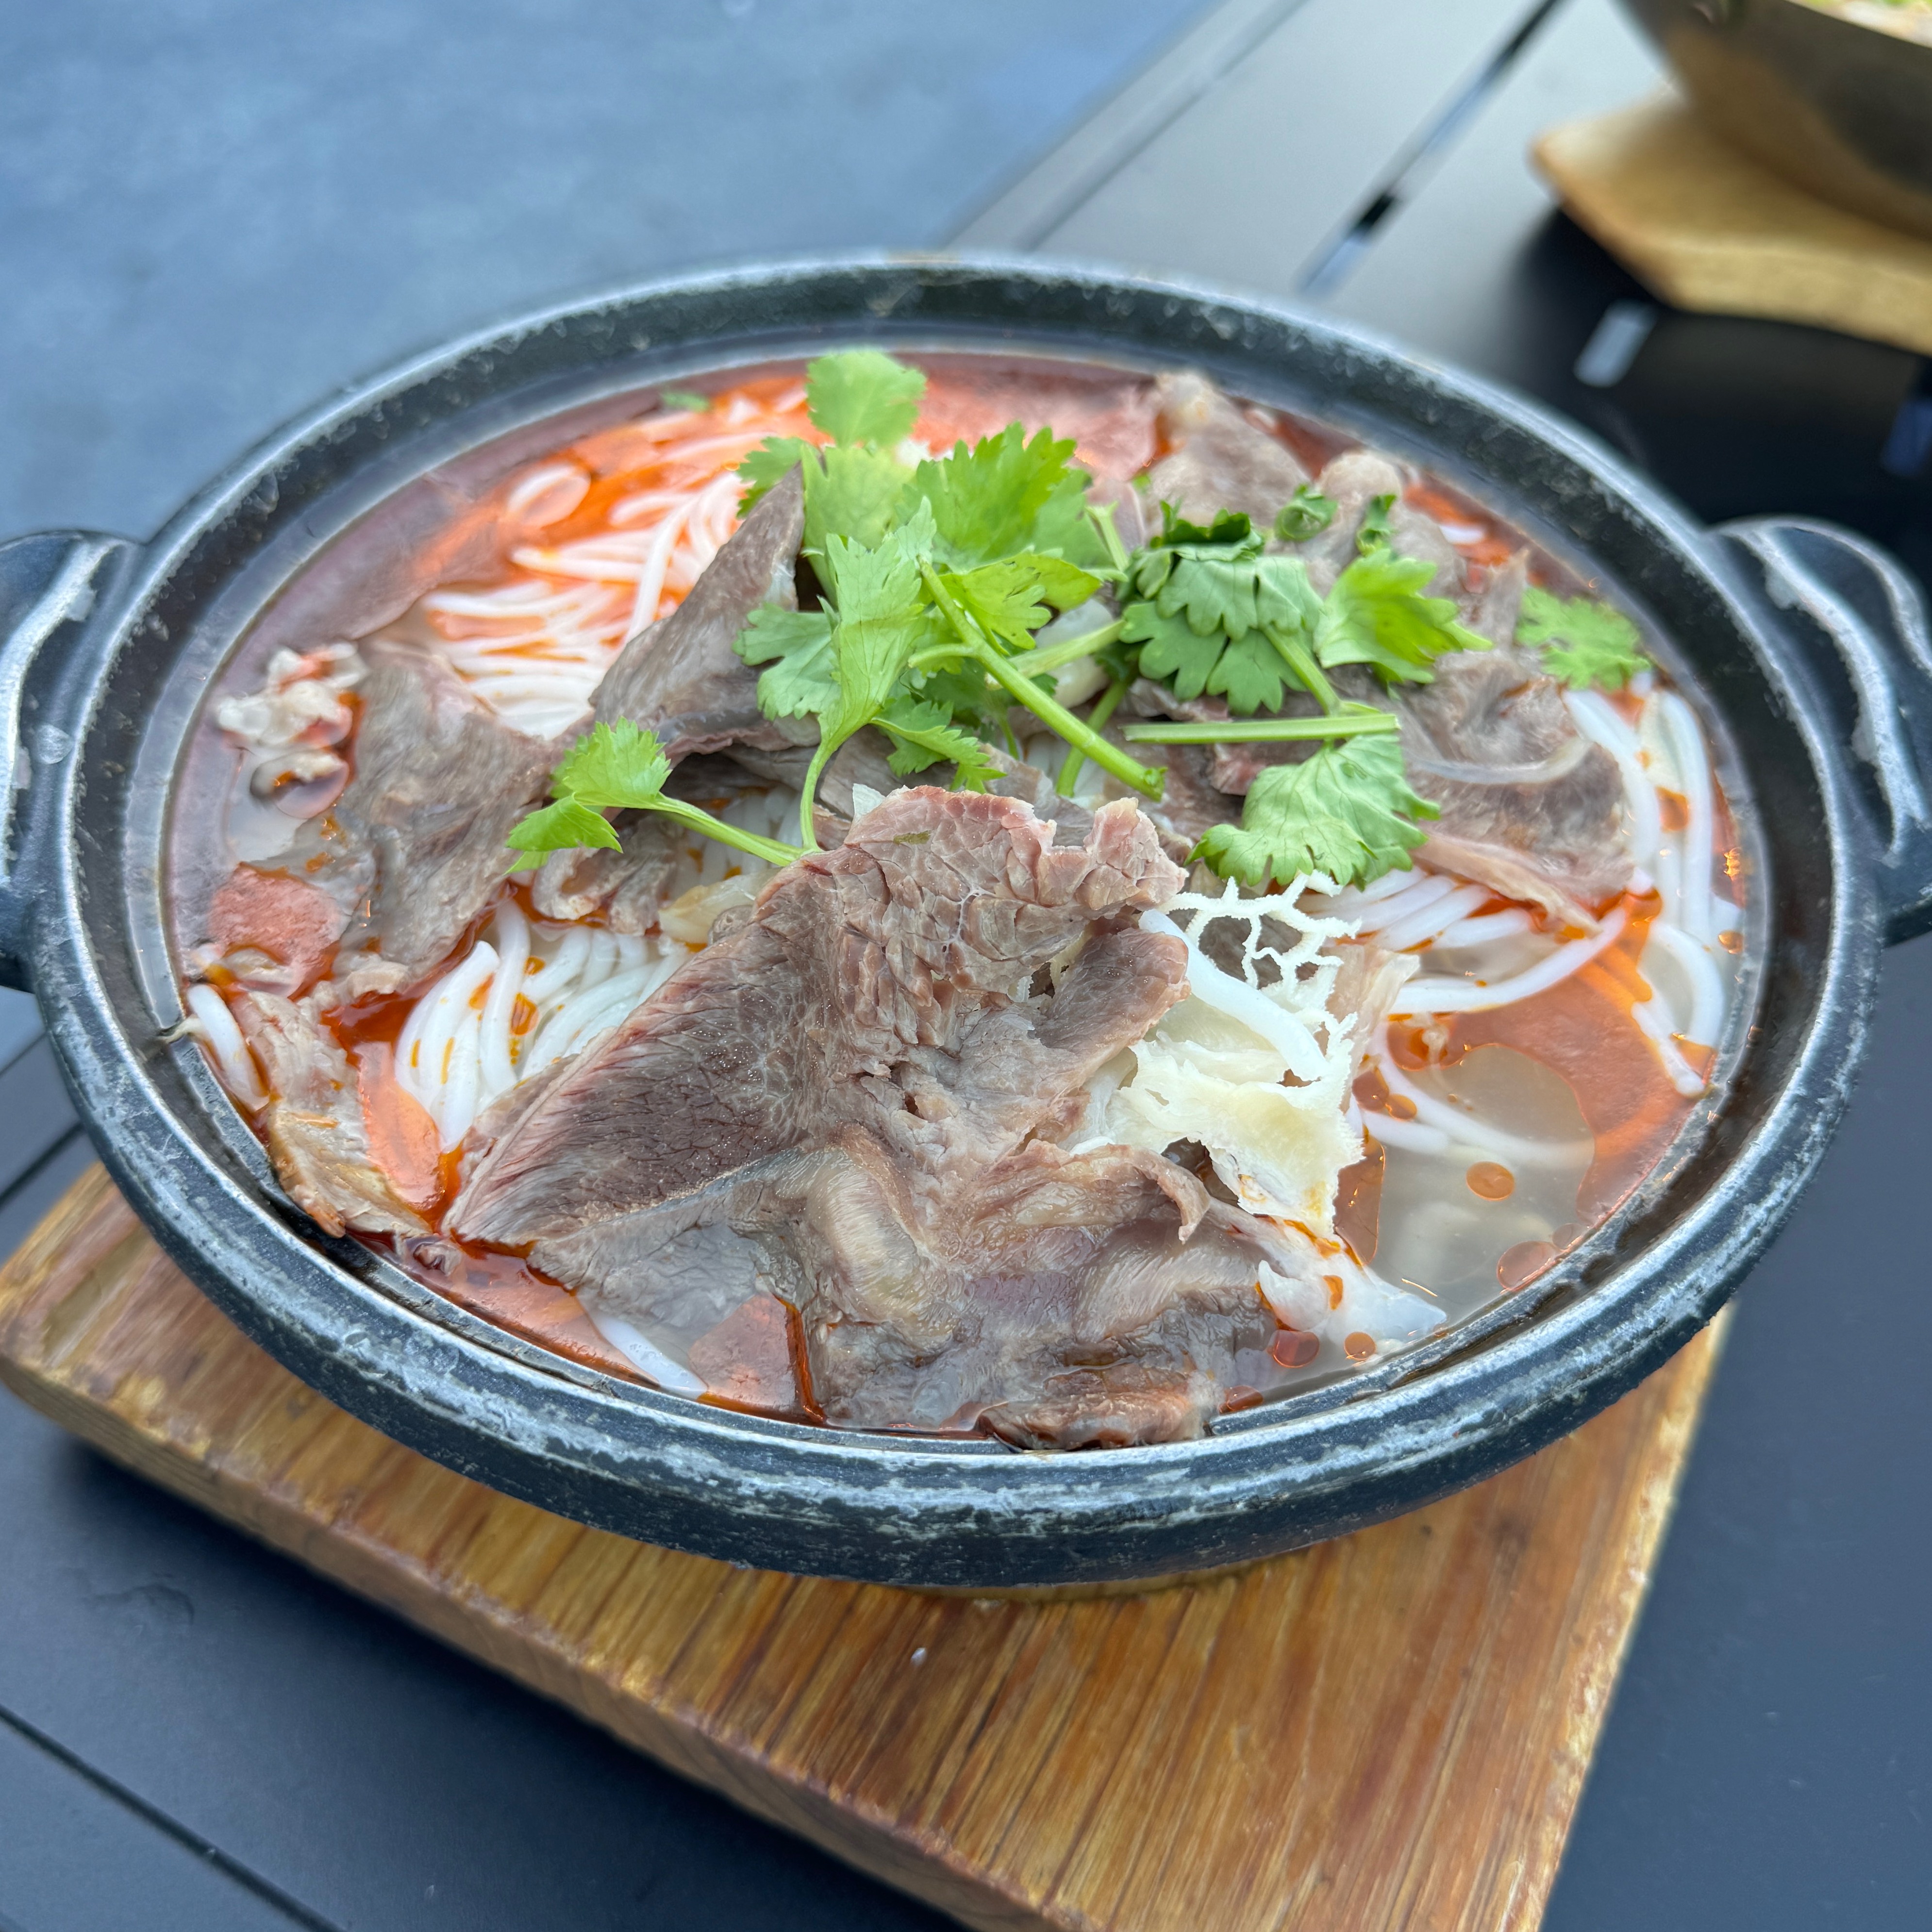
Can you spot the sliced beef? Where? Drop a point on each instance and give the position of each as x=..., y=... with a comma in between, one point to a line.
x=869, y=979
x=1071, y=822
x=849, y=1103
x=1063, y=1301
x=294, y=924
x=682, y=677
x=315, y=1127
x=1529, y=806
x=1493, y=611
x=411, y=852
x=629, y=886
x=1218, y=460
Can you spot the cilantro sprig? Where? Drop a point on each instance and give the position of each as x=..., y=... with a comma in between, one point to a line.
x=1216, y=614
x=935, y=576
x=1347, y=812
x=1584, y=643
x=617, y=767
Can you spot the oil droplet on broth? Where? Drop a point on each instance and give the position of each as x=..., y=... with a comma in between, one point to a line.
x=1294, y=1350
x=1440, y=1225
x=1522, y=1264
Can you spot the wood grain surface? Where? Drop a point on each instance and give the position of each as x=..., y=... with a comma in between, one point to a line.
x=1388, y=1731
x=1709, y=229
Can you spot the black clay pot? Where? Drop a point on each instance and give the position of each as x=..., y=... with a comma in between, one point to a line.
x=1825, y=714
x=1843, y=109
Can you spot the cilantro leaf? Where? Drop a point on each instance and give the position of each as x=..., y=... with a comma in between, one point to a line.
x=797, y=647
x=969, y=696
x=1306, y=513
x=1249, y=671
x=863, y=395
x=769, y=463
x=851, y=492
x=1374, y=533
x=614, y=764
x=923, y=733
x=1006, y=494
x=618, y=766
x=683, y=399
x=1229, y=527
x=1011, y=600
x=559, y=827
x=1347, y=812
x=1251, y=675
x=1376, y=614
x=882, y=618
x=1171, y=649
x=1584, y=643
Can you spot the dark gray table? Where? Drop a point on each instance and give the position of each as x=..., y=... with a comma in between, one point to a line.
x=213, y=212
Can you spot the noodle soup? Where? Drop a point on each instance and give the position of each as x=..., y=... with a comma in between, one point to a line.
x=1046, y=901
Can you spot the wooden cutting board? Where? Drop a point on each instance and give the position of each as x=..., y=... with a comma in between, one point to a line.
x=1708, y=228
x=1388, y=1731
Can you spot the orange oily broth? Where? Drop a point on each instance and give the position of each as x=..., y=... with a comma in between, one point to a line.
x=1567, y=1066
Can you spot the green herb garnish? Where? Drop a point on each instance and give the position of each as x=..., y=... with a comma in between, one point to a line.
x=1374, y=533
x=1347, y=812
x=616, y=767
x=935, y=577
x=1377, y=614
x=1584, y=643
x=1307, y=514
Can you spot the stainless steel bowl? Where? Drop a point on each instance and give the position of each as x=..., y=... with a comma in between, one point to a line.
x=1842, y=109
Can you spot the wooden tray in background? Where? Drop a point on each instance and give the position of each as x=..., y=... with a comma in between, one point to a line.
x=1389, y=1731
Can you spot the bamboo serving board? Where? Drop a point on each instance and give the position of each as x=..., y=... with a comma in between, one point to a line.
x=1708, y=228
x=1389, y=1731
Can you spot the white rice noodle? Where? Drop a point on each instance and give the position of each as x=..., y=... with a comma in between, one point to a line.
x=1707, y=1000
x=657, y=560
x=1511, y=923
x=1596, y=718
x=1654, y=1021
x=1687, y=741
x=460, y=1048
x=1436, y=993
x=437, y=1052
x=643, y=1354
x=513, y=952
x=547, y=494
x=1390, y=1316
x=1413, y=1136
x=1423, y=890
x=211, y=1022
x=1349, y=901
x=1419, y=929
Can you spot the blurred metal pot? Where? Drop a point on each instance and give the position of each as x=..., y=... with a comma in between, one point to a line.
x=1839, y=106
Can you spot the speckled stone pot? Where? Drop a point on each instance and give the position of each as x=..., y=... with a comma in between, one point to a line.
x=1810, y=646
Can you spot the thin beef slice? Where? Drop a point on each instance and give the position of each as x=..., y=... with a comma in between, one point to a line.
x=865, y=987
x=682, y=677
